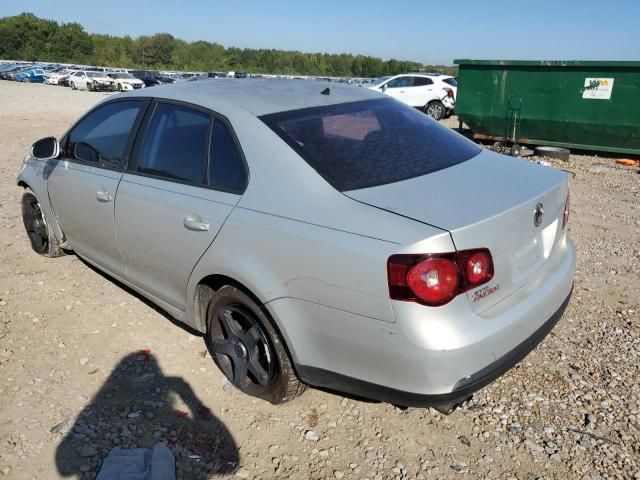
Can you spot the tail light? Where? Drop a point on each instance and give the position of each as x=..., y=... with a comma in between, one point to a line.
x=565, y=216
x=437, y=279
x=449, y=92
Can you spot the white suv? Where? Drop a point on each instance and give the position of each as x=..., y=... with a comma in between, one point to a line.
x=434, y=94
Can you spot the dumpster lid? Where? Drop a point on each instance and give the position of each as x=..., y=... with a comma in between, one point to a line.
x=550, y=63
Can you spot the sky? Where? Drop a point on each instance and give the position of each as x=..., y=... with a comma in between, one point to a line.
x=427, y=31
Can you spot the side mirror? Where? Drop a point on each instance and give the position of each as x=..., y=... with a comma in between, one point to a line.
x=45, y=148
x=85, y=153
x=384, y=87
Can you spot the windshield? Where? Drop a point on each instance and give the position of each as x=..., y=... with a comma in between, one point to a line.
x=378, y=81
x=369, y=143
x=95, y=74
x=122, y=75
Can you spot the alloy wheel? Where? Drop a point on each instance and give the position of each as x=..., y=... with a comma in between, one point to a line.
x=435, y=111
x=242, y=350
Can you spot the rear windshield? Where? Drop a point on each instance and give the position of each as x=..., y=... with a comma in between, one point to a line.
x=369, y=143
x=451, y=81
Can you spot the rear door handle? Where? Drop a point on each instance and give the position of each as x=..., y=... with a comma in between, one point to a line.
x=195, y=223
x=103, y=196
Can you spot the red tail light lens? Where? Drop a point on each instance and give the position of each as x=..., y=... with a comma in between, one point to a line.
x=449, y=92
x=434, y=280
x=437, y=279
x=477, y=267
x=565, y=217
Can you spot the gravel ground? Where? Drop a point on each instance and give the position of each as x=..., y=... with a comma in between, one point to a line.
x=85, y=365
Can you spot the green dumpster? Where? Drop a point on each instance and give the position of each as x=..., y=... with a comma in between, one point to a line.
x=574, y=104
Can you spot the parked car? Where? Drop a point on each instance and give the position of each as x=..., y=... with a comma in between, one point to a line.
x=60, y=77
x=125, y=81
x=427, y=92
x=90, y=80
x=151, y=78
x=32, y=75
x=10, y=72
x=325, y=236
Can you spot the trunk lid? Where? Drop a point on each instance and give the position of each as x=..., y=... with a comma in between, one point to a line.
x=489, y=202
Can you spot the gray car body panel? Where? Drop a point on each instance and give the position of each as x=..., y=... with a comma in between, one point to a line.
x=316, y=258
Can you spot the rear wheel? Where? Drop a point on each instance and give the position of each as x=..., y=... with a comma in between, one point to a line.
x=435, y=110
x=247, y=348
x=42, y=240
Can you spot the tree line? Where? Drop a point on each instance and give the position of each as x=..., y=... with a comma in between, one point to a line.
x=27, y=37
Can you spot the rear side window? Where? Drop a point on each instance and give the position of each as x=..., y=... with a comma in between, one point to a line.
x=106, y=130
x=421, y=81
x=451, y=81
x=175, y=145
x=227, y=171
x=374, y=142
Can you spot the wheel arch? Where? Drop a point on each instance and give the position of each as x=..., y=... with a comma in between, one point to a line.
x=28, y=180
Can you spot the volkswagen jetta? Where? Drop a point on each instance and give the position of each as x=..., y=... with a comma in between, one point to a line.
x=333, y=237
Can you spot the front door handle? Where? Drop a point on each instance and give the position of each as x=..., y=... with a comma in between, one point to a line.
x=195, y=223
x=103, y=196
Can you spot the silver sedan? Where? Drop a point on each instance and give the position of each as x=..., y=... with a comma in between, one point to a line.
x=324, y=236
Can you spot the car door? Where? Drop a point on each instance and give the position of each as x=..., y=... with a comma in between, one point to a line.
x=421, y=92
x=186, y=176
x=82, y=182
x=399, y=88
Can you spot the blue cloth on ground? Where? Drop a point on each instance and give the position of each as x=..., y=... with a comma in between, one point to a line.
x=139, y=464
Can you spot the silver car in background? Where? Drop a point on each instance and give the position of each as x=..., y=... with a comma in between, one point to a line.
x=325, y=236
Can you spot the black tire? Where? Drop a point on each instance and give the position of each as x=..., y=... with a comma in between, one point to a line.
x=42, y=240
x=72, y=85
x=516, y=150
x=89, y=86
x=247, y=349
x=497, y=147
x=553, y=152
x=435, y=110
x=119, y=87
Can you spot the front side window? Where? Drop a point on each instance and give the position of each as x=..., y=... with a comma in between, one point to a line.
x=368, y=143
x=103, y=135
x=400, y=82
x=175, y=146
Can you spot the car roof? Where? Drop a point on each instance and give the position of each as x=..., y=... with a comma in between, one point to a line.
x=440, y=76
x=259, y=96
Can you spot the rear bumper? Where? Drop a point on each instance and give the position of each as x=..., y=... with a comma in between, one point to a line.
x=427, y=356
x=444, y=402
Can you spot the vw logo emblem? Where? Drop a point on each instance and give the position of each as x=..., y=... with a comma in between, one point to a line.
x=538, y=214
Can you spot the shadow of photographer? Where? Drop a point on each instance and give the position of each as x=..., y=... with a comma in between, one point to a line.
x=136, y=408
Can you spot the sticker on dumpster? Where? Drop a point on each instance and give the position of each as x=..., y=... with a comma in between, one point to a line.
x=597, y=88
